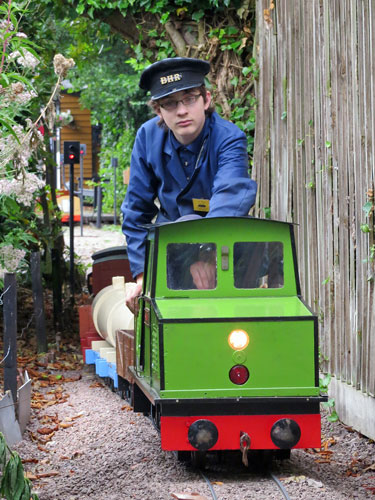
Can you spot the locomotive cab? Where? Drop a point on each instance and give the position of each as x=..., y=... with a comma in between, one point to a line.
x=233, y=361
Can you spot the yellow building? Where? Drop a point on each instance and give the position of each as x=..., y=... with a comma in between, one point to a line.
x=80, y=129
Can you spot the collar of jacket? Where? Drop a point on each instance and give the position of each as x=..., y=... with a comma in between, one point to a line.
x=194, y=147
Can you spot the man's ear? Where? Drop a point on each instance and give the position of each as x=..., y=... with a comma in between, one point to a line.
x=158, y=111
x=208, y=100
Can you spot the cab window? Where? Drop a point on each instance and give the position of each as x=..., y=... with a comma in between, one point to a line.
x=180, y=259
x=258, y=264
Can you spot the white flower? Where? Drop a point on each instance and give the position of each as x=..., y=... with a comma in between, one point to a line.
x=64, y=118
x=11, y=257
x=17, y=93
x=22, y=188
x=6, y=25
x=18, y=152
x=26, y=59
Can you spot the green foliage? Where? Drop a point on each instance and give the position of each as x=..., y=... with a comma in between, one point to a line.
x=122, y=151
x=368, y=228
x=228, y=38
x=365, y=228
x=162, y=7
x=14, y=484
x=368, y=208
x=324, y=382
x=267, y=212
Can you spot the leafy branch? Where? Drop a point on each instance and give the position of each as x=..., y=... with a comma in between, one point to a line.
x=14, y=484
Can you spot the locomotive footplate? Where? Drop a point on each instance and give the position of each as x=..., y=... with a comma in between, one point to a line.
x=239, y=406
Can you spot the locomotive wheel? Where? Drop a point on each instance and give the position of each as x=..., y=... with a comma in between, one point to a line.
x=198, y=459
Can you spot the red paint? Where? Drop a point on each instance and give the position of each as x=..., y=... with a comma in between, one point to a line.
x=174, y=431
x=87, y=331
x=65, y=218
x=86, y=323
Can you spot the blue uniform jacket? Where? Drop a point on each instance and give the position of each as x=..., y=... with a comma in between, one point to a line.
x=220, y=176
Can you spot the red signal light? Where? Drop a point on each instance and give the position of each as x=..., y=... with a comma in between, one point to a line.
x=71, y=152
x=239, y=374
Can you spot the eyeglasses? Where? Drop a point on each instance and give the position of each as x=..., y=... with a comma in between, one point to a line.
x=187, y=101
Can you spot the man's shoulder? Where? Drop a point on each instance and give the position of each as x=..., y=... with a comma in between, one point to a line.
x=224, y=128
x=151, y=128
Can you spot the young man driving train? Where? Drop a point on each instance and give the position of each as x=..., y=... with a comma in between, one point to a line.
x=188, y=158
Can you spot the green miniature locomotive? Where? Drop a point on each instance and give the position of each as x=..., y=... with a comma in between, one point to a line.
x=233, y=365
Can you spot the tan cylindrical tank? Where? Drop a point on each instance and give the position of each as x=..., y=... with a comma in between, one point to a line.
x=109, y=311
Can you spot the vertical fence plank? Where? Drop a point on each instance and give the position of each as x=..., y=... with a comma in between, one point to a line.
x=352, y=127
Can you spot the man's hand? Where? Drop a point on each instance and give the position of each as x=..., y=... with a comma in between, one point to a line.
x=132, y=295
x=204, y=275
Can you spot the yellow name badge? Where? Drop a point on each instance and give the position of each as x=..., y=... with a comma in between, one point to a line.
x=201, y=205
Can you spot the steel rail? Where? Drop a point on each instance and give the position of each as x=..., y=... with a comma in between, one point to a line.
x=280, y=486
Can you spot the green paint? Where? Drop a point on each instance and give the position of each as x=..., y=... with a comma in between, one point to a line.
x=193, y=326
x=279, y=358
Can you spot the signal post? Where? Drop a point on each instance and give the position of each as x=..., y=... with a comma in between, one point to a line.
x=71, y=157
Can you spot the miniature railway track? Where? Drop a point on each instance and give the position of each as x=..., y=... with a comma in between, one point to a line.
x=197, y=463
x=271, y=476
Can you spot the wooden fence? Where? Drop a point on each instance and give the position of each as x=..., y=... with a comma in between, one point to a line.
x=314, y=163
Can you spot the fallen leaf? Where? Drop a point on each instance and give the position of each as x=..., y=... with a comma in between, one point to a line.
x=47, y=430
x=41, y=364
x=51, y=403
x=65, y=425
x=294, y=479
x=371, y=467
x=45, y=439
x=29, y=460
x=30, y=476
x=350, y=473
x=48, y=474
x=369, y=488
x=219, y=483
x=46, y=419
x=79, y=415
x=73, y=378
x=96, y=384
x=328, y=442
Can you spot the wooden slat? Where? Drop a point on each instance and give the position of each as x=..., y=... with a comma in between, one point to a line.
x=371, y=346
